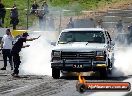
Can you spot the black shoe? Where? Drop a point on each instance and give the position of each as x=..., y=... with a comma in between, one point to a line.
x=15, y=75
x=3, y=68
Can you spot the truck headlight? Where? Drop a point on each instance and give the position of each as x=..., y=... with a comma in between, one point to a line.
x=100, y=56
x=56, y=53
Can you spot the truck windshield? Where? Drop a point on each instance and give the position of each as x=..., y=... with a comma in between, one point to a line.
x=82, y=36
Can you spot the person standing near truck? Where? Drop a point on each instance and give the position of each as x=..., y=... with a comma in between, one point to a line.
x=6, y=46
x=16, y=50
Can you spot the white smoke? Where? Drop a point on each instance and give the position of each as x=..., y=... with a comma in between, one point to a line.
x=123, y=62
x=36, y=58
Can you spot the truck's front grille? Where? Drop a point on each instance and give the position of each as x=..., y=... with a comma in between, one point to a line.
x=77, y=55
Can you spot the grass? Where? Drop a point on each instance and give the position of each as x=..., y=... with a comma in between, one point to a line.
x=83, y=4
x=75, y=5
x=21, y=5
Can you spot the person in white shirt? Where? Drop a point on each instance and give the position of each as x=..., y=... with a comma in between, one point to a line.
x=6, y=46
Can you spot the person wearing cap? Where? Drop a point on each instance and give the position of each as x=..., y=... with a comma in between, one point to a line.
x=6, y=46
x=16, y=49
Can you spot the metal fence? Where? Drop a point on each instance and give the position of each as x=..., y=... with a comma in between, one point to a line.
x=59, y=19
x=55, y=19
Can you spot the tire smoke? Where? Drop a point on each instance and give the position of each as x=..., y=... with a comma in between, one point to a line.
x=123, y=62
x=36, y=58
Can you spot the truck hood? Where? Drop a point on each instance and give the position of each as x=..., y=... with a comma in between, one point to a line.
x=80, y=47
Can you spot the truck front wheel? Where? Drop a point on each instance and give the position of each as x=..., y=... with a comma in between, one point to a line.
x=55, y=73
x=103, y=73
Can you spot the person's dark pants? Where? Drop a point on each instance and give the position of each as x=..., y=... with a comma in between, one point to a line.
x=14, y=26
x=7, y=53
x=16, y=60
x=2, y=19
x=14, y=22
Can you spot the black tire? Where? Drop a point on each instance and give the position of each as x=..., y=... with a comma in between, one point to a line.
x=109, y=63
x=103, y=73
x=81, y=88
x=109, y=71
x=55, y=73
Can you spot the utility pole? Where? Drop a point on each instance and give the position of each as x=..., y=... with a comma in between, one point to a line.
x=27, y=13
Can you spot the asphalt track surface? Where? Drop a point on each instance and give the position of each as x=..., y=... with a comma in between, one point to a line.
x=33, y=85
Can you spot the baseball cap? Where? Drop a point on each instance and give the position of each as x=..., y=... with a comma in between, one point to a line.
x=25, y=34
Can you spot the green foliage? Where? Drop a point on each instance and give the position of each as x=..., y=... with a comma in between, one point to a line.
x=83, y=4
x=89, y=4
x=20, y=5
x=60, y=2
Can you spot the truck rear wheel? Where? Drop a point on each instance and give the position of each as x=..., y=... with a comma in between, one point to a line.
x=55, y=73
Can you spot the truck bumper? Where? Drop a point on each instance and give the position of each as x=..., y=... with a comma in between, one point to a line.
x=79, y=66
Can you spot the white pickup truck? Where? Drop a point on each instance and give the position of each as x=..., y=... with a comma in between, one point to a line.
x=83, y=50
